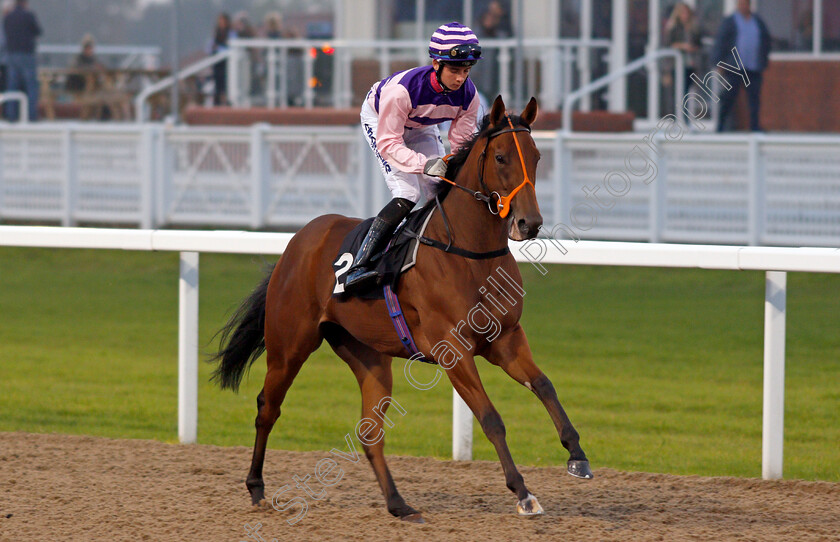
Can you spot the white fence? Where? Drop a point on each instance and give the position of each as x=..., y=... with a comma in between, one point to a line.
x=776, y=261
x=273, y=72
x=735, y=189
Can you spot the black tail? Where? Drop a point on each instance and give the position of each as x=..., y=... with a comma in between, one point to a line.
x=243, y=339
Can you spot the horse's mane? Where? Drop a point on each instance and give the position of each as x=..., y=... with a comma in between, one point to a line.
x=457, y=160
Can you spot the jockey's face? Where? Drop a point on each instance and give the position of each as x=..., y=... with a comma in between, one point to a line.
x=453, y=77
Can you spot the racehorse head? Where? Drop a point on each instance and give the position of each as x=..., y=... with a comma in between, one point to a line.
x=509, y=168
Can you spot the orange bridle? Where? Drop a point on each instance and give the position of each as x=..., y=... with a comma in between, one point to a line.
x=502, y=203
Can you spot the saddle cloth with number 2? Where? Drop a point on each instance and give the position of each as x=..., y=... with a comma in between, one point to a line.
x=398, y=257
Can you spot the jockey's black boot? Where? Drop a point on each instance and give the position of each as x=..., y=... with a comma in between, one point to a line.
x=361, y=277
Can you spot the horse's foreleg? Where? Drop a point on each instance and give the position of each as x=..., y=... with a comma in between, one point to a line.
x=373, y=372
x=512, y=353
x=465, y=380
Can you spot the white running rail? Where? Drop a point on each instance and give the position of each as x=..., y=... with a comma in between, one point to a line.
x=776, y=261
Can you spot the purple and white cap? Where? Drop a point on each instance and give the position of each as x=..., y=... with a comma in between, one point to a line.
x=452, y=35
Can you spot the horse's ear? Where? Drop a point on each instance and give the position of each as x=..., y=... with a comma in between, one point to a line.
x=497, y=112
x=529, y=114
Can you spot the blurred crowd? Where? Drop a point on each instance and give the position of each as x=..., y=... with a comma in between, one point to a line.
x=681, y=30
x=240, y=26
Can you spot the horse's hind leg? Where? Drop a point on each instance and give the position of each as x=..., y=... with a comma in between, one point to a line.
x=512, y=353
x=373, y=372
x=283, y=366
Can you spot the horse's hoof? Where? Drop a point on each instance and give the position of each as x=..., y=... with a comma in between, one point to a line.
x=529, y=507
x=416, y=517
x=256, y=489
x=579, y=468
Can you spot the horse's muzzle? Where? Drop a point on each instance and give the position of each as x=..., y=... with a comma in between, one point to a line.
x=526, y=228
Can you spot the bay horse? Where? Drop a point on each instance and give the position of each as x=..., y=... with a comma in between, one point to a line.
x=294, y=309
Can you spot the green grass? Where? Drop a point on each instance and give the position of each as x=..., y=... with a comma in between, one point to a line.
x=659, y=369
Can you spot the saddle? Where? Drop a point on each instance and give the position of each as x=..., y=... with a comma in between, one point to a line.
x=399, y=255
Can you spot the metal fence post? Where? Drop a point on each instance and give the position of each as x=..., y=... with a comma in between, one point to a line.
x=365, y=179
x=308, y=74
x=565, y=188
x=271, y=77
x=657, y=195
x=233, y=88
x=70, y=178
x=259, y=174
x=755, y=226
x=163, y=177
x=462, y=429
x=773, y=417
x=148, y=161
x=557, y=175
x=188, y=348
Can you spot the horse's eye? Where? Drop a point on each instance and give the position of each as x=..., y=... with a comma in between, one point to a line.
x=500, y=159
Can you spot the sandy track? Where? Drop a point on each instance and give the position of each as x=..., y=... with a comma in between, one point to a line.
x=59, y=487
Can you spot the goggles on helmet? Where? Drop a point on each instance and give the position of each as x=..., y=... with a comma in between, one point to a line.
x=463, y=52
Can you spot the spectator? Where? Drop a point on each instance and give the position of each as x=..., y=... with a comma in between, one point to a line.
x=272, y=29
x=273, y=26
x=804, y=38
x=89, y=85
x=7, y=7
x=250, y=79
x=221, y=35
x=746, y=32
x=490, y=25
x=86, y=58
x=243, y=27
x=86, y=61
x=683, y=33
x=21, y=28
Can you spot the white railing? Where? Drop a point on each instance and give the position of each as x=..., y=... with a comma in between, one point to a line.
x=163, y=84
x=554, y=67
x=649, y=60
x=734, y=189
x=750, y=189
x=775, y=261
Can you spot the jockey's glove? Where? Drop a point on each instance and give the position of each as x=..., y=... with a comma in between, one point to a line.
x=435, y=167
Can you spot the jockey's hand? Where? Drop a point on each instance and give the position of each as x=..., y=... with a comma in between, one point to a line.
x=435, y=167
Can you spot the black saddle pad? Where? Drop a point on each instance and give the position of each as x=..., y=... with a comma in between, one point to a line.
x=399, y=256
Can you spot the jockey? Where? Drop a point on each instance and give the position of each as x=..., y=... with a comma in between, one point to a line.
x=400, y=118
